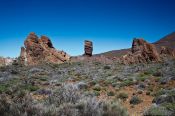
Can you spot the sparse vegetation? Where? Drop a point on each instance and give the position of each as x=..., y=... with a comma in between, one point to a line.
x=68, y=88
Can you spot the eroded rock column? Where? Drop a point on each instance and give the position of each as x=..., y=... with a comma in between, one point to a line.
x=88, y=48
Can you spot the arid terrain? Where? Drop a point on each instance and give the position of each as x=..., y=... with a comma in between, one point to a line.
x=43, y=81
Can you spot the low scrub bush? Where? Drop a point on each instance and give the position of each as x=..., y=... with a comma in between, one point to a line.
x=110, y=93
x=156, y=111
x=97, y=88
x=135, y=100
x=107, y=67
x=122, y=95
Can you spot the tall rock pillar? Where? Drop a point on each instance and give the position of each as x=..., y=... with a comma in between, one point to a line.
x=88, y=48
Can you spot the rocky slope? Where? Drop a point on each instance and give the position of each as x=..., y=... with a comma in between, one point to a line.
x=167, y=41
x=39, y=50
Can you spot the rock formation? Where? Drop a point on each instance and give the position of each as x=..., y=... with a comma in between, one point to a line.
x=141, y=52
x=6, y=61
x=166, y=51
x=88, y=48
x=39, y=50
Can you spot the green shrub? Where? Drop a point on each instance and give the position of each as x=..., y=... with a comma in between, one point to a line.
x=148, y=93
x=157, y=74
x=150, y=88
x=146, y=73
x=142, y=75
x=111, y=108
x=5, y=105
x=96, y=93
x=3, y=88
x=111, y=93
x=169, y=106
x=108, y=81
x=30, y=87
x=159, y=92
x=97, y=63
x=92, y=83
x=3, y=68
x=135, y=100
x=150, y=71
x=122, y=95
x=156, y=111
x=127, y=83
x=157, y=79
x=141, y=78
x=140, y=92
x=114, y=84
x=107, y=67
x=43, y=79
x=97, y=88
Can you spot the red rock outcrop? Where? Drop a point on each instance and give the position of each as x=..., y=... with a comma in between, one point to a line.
x=141, y=52
x=166, y=51
x=40, y=50
x=88, y=48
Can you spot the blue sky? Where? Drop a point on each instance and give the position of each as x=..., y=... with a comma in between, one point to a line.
x=110, y=24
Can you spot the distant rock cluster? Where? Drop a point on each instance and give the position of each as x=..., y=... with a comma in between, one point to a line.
x=39, y=50
x=6, y=61
x=144, y=52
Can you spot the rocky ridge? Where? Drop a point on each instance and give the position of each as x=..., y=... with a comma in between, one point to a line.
x=39, y=50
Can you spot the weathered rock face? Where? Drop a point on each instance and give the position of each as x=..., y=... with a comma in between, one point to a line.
x=39, y=50
x=165, y=51
x=23, y=56
x=141, y=52
x=6, y=61
x=88, y=48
